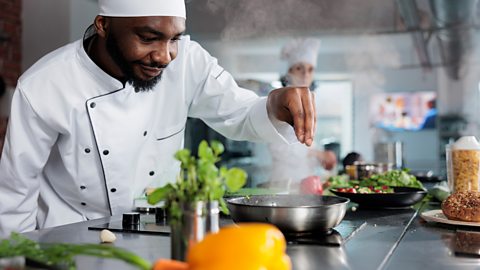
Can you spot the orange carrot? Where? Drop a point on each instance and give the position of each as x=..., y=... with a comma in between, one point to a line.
x=165, y=264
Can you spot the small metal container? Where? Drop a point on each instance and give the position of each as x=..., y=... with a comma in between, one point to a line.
x=213, y=217
x=131, y=221
x=366, y=170
x=390, y=152
x=198, y=219
x=190, y=230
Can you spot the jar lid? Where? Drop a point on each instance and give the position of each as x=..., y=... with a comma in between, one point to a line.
x=467, y=143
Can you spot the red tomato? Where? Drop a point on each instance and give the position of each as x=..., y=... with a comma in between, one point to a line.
x=311, y=185
x=351, y=190
x=341, y=190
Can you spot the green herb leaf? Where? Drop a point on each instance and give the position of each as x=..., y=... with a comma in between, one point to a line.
x=216, y=193
x=183, y=156
x=223, y=171
x=207, y=170
x=205, y=152
x=223, y=206
x=199, y=180
x=217, y=147
x=160, y=194
x=235, y=179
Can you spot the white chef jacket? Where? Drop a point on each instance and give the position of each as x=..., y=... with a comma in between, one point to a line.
x=81, y=145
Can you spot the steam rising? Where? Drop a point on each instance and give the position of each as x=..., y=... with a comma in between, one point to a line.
x=370, y=60
x=255, y=18
x=364, y=58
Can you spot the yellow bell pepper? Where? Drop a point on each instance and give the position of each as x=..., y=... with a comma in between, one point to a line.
x=249, y=246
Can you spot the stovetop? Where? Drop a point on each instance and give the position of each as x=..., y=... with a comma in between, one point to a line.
x=149, y=224
x=334, y=237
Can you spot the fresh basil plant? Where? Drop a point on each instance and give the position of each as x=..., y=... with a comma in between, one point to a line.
x=199, y=180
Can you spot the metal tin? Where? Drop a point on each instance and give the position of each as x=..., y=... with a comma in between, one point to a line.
x=366, y=170
x=190, y=230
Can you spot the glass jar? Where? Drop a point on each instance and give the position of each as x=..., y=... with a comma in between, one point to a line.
x=351, y=170
x=463, y=167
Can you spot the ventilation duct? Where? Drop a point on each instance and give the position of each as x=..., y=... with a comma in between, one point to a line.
x=409, y=12
x=454, y=20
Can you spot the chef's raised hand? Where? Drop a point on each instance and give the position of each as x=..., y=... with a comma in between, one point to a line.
x=296, y=106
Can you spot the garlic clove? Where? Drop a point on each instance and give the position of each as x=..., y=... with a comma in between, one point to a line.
x=107, y=236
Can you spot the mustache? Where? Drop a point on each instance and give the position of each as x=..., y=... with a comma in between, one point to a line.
x=152, y=65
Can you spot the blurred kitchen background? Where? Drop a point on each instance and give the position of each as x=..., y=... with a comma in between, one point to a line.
x=382, y=65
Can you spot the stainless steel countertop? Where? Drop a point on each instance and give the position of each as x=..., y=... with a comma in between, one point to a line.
x=391, y=239
x=430, y=246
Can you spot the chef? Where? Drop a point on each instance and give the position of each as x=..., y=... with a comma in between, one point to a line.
x=95, y=122
x=293, y=162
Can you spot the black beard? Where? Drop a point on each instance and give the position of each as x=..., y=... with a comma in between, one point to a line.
x=126, y=68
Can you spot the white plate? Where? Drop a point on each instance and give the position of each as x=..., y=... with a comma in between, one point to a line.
x=438, y=216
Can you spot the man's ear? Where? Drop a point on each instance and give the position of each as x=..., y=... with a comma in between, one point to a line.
x=101, y=24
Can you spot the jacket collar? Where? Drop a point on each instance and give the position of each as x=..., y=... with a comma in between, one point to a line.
x=108, y=82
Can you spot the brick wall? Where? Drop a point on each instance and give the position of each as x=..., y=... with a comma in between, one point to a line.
x=10, y=49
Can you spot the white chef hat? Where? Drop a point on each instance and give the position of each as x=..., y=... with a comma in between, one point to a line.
x=301, y=50
x=142, y=8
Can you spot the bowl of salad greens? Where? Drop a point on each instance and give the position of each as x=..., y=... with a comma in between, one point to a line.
x=392, y=189
x=382, y=197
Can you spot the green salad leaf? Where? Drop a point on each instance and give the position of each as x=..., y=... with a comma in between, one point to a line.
x=393, y=178
x=341, y=180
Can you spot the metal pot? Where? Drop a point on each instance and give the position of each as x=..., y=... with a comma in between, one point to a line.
x=391, y=152
x=290, y=212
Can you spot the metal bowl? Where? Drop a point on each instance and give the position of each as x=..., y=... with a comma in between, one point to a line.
x=290, y=212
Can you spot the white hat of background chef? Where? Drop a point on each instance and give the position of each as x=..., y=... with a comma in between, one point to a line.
x=142, y=8
x=301, y=50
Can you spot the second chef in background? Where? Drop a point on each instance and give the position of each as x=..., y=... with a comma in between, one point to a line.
x=294, y=162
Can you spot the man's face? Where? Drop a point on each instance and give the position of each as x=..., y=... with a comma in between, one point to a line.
x=301, y=74
x=142, y=47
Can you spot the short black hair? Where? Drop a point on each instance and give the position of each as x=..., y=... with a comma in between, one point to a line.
x=3, y=87
x=350, y=159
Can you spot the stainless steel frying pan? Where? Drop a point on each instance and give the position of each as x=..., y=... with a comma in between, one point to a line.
x=290, y=212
